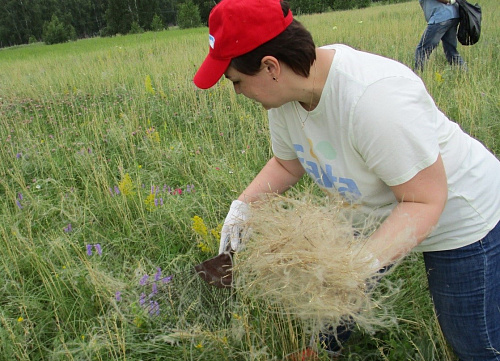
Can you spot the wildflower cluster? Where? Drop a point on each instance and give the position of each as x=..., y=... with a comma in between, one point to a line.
x=158, y=194
x=126, y=186
x=150, y=301
x=97, y=248
x=153, y=135
x=148, y=84
x=206, y=240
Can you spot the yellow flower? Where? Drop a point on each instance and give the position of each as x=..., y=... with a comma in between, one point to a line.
x=438, y=77
x=203, y=247
x=236, y=316
x=199, y=226
x=199, y=346
x=20, y=319
x=150, y=202
x=149, y=86
x=216, y=232
x=126, y=186
x=153, y=135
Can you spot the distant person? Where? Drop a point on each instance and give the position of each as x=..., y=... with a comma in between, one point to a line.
x=442, y=22
x=365, y=127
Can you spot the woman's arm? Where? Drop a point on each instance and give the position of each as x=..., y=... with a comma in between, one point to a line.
x=421, y=202
x=277, y=176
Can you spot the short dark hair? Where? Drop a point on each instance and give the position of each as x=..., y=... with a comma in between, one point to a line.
x=294, y=47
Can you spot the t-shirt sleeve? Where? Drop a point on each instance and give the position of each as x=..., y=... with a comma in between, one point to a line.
x=281, y=142
x=394, y=129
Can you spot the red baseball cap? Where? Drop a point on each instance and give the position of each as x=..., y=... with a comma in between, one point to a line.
x=237, y=27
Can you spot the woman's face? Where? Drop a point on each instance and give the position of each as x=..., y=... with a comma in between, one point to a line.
x=258, y=87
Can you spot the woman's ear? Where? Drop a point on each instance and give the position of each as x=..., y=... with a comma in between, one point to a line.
x=272, y=66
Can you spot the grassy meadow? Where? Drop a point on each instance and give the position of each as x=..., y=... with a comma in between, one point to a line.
x=114, y=166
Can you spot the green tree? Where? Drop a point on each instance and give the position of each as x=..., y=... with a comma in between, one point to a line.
x=135, y=28
x=145, y=11
x=204, y=7
x=119, y=17
x=56, y=31
x=157, y=23
x=188, y=15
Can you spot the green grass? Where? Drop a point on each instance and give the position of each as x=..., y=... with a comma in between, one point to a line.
x=77, y=118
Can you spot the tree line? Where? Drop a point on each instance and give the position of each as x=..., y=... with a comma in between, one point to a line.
x=54, y=21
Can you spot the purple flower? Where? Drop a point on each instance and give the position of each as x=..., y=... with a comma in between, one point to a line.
x=19, y=204
x=167, y=279
x=117, y=190
x=143, y=280
x=158, y=274
x=89, y=250
x=118, y=296
x=142, y=299
x=19, y=155
x=20, y=196
x=154, y=288
x=98, y=249
x=154, y=308
x=68, y=228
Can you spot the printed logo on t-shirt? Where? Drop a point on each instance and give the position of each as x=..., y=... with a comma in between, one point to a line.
x=324, y=176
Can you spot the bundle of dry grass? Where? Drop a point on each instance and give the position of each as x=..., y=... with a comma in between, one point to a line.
x=306, y=258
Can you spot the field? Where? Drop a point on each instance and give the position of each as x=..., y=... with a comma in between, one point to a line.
x=113, y=165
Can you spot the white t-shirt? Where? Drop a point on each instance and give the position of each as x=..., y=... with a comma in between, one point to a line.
x=376, y=126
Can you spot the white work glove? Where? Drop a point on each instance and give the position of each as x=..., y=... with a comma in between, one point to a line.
x=451, y=2
x=233, y=225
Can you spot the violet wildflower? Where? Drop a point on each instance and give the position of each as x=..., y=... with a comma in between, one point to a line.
x=89, y=250
x=156, y=202
x=98, y=249
x=68, y=228
x=158, y=274
x=19, y=155
x=143, y=280
x=20, y=196
x=118, y=296
x=154, y=308
x=117, y=190
x=19, y=204
x=154, y=288
x=167, y=279
x=142, y=299
x=161, y=201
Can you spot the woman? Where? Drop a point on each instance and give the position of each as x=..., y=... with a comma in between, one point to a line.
x=364, y=126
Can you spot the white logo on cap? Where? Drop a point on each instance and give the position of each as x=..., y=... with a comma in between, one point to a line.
x=211, y=41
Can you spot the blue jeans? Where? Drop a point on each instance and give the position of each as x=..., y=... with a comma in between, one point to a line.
x=446, y=32
x=465, y=288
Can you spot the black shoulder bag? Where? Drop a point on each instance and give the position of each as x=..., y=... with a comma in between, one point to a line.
x=469, y=27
